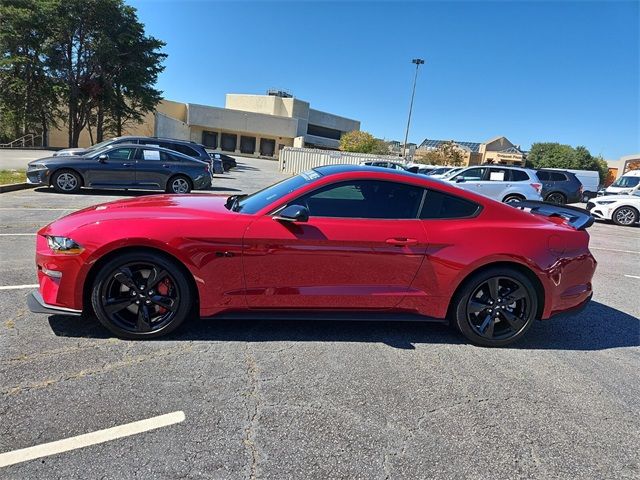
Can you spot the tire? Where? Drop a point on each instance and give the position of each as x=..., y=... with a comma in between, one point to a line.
x=586, y=197
x=556, y=197
x=625, y=216
x=512, y=198
x=131, y=312
x=481, y=310
x=179, y=184
x=66, y=181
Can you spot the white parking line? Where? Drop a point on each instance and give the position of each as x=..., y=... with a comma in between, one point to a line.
x=612, y=250
x=633, y=276
x=37, y=209
x=17, y=234
x=18, y=287
x=87, y=439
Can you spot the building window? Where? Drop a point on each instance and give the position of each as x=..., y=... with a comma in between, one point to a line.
x=324, y=132
x=228, y=142
x=267, y=147
x=247, y=144
x=210, y=139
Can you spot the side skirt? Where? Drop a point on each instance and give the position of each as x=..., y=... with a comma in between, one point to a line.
x=325, y=316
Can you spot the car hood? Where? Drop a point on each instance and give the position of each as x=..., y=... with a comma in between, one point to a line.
x=157, y=207
x=71, y=151
x=617, y=198
x=55, y=160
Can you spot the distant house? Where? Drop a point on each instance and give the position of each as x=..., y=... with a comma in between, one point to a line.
x=497, y=150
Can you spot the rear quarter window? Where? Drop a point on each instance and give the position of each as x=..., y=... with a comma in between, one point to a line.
x=520, y=176
x=438, y=205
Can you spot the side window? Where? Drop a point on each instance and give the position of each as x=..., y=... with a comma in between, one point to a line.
x=148, y=154
x=442, y=205
x=122, y=153
x=498, y=174
x=544, y=176
x=178, y=147
x=167, y=157
x=364, y=199
x=558, y=177
x=519, y=176
x=472, y=174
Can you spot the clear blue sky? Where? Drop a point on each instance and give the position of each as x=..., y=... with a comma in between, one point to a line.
x=556, y=71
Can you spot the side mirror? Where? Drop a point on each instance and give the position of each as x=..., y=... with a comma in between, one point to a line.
x=460, y=180
x=293, y=213
x=103, y=158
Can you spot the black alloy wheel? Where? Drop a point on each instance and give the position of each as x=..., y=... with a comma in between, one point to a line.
x=556, y=197
x=142, y=296
x=496, y=307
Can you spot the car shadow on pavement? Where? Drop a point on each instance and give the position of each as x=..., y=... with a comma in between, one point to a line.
x=101, y=192
x=598, y=327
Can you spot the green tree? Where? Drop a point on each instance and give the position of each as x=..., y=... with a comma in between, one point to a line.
x=363, y=142
x=28, y=92
x=556, y=155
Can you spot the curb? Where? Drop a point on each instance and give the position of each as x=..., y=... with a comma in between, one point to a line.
x=12, y=187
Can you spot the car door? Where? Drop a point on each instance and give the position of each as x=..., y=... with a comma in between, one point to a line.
x=117, y=168
x=471, y=179
x=360, y=248
x=154, y=167
x=497, y=182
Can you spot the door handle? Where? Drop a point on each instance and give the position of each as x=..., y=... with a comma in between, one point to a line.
x=127, y=164
x=166, y=166
x=401, y=242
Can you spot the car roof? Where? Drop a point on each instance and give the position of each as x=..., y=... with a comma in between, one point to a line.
x=345, y=168
x=151, y=147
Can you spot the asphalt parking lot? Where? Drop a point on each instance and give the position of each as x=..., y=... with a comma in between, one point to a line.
x=266, y=399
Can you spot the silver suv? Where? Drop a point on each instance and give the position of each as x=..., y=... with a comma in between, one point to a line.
x=505, y=184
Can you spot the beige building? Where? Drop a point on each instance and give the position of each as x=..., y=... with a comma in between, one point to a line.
x=497, y=150
x=257, y=125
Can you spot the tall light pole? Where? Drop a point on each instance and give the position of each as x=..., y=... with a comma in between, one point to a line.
x=418, y=62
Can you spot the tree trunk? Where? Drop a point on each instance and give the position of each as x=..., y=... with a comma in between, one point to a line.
x=100, y=123
x=45, y=132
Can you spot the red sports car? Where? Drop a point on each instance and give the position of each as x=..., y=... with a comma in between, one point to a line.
x=340, y=241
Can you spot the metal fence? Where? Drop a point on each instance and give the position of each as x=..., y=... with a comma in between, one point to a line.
x=295, y=160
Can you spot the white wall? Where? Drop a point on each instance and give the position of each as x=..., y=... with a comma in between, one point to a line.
x=296, y=160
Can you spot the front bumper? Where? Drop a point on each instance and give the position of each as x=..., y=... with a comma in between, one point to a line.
x=37, y=305
x=38, y=177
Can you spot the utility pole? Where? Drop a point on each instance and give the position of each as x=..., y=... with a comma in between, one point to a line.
x=418, y=62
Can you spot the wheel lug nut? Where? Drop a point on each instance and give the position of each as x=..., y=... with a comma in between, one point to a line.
x=150, y=292
x=137, y=302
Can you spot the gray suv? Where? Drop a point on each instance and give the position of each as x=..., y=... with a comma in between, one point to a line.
x=186, y=147
x=502, y=183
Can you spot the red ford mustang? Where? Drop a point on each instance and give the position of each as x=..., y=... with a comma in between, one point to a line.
x=334, y=242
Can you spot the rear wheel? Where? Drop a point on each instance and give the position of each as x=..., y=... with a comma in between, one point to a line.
x=179, y=184
x=141, y=295
x=625, y=216
x=496, y=307
x=512, y=198
x=556, y=197
x=66, y=181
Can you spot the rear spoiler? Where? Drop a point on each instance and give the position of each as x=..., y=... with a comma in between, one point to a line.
x=578, y=218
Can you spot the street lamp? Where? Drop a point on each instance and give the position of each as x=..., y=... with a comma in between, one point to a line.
x=418, y=62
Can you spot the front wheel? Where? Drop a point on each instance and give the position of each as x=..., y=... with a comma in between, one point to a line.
x=66, y=181
x=556, y=197
x=179, y=184
x=625, y=216
x=496, y=307
x=141, y=295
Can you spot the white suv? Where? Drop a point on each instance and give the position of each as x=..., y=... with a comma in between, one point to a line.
x=505, y=184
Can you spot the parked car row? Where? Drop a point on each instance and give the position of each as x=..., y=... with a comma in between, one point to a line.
x=175, y=166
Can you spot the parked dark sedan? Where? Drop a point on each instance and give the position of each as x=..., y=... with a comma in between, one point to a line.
x=560, y=186
x=128, y=166
x=228, y=162
x=186, y=147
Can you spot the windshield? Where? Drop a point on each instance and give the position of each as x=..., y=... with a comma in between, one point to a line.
x=439, y=171
x=451, y=172
x=98, y=146
x=626, y=182
x=257, y=201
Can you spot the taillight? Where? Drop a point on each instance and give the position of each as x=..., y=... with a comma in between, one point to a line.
x=581, y=189
x=537, y=186
x=206, y=168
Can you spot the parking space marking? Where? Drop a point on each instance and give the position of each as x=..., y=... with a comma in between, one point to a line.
x=632, y=276
x=88, y=439
x=17, y=234
x=612, y=250
x=34, y=209
x=18, y=287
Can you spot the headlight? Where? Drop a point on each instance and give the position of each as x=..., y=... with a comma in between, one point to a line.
x=37, y=166
x=606, y=202
x=64, y=245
